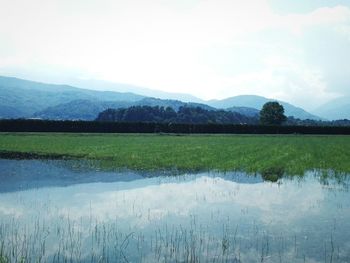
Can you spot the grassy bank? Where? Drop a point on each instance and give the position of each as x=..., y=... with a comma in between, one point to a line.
x=289, y=154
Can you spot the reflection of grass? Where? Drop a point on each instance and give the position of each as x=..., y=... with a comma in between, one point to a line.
x=252, y=153
x=3, y=259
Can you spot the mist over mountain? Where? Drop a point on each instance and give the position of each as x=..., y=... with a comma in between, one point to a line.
x=336, y=109
x=239, y=101
x=120, y=87
x=257, y=102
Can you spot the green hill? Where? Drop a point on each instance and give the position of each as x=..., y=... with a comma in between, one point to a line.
x=23, y=98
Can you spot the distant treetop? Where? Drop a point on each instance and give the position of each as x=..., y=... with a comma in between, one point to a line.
x=272, y=113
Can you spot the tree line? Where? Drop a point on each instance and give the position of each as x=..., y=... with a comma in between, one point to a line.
x=185, y=114
x=147, y=119
x=22, y=125
x=272, y=113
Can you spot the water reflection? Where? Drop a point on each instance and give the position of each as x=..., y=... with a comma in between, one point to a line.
x=189, y=218
x=17, y=175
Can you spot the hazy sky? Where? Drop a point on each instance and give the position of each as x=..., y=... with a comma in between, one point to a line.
x=294, y=50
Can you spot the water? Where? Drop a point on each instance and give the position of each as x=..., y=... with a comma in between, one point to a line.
x=64, y=211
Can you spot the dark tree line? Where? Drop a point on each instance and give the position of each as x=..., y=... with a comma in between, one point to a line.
x=146, y=119
x=298, y=122
x=21, y=125
x=190, y=115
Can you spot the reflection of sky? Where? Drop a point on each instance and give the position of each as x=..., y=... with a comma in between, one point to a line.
x=151, y=200
x=292, y=207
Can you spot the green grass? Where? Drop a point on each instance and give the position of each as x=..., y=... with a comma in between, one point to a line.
x=290, y=154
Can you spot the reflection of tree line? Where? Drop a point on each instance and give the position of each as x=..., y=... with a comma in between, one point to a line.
x=21, y=125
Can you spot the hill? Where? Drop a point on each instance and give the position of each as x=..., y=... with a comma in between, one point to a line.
x=27, y=99
x=22, y=98
x=78, y=110
x=336, y=109
x=250, y=112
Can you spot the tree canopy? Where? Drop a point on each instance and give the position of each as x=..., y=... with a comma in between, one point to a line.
x=191, y=115
x=272, y=113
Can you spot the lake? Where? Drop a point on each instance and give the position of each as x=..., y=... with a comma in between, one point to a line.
x=71, y=211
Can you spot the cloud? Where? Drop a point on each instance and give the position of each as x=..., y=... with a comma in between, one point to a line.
x=211, y=48
x=324, y=16
x=285, y=79
x=143, y=204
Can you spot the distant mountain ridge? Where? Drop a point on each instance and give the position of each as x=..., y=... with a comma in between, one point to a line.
x=22, y=98
x=247, y=111
x=79, y=110
x=119, y=87
x=336, y=109
x=29, y=99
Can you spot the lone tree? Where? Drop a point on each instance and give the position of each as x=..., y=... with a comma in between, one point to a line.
x=272, y=113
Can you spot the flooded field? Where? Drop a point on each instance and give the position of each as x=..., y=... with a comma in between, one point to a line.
x=67, y=211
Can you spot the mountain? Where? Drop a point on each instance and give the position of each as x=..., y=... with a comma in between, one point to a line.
x=336, y=109
x=250, y=112
x=257, y=102
x=89, y=110
x=119, y=87
x=79, y=110
x=175, y=104
x=251, y=101
x=22, y=98
x=26, y=99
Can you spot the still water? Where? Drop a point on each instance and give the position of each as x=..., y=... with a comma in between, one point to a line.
x=66, y=211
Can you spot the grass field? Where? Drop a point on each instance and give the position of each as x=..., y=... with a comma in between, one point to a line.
x=291, y=154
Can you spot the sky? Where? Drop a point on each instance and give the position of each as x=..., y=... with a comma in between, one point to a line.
x=293, y=50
